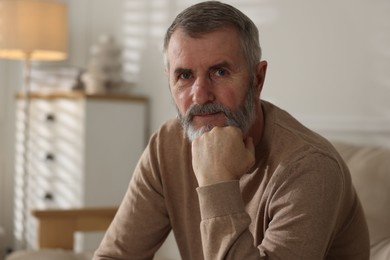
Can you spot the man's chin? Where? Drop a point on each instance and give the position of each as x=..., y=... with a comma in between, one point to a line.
x=193, y=133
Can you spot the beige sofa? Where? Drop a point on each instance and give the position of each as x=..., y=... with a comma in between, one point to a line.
x=370, y=170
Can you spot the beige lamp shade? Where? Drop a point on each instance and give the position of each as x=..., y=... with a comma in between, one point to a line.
x=33, y=29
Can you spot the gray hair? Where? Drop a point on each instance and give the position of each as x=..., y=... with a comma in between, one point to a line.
x=210, y=16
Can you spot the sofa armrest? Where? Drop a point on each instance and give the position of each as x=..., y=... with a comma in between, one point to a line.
x=370, y=172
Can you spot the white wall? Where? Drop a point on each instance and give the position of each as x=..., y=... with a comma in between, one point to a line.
x=329, y=63
x=10, y=76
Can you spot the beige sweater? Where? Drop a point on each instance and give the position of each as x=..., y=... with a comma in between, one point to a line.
x=298, y=203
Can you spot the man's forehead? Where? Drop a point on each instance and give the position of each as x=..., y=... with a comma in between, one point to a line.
x=208, y=49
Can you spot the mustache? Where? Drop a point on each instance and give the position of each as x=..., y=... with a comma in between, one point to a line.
x=209, y=108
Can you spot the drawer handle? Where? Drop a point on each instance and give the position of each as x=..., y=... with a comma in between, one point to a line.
x=50, y=157
x=48, y=196
x=50, y=117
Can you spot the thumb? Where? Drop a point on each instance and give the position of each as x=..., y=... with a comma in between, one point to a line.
x=249, y=145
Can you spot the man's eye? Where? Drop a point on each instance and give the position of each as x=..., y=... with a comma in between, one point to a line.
x=185, y=75
x=220, y=72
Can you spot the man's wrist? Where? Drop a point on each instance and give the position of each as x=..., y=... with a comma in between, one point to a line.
x=220, y=199
x=212, y=179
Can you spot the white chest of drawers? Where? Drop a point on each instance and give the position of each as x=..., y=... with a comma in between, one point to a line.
x=81, y=151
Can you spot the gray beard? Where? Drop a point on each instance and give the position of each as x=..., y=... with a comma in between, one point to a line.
x=243, y=118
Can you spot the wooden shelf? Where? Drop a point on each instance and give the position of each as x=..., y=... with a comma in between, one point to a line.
x=80, y=94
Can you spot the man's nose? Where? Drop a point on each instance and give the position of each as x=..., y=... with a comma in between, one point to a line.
x=203, y=91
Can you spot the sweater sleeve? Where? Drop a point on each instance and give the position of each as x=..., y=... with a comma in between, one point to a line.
x=224, y=225
x=141, y=224
x=302, y=212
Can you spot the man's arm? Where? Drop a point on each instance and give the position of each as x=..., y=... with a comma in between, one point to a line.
x=303, y=209
x=219, y=159
x=301, y=222
x=225, y=223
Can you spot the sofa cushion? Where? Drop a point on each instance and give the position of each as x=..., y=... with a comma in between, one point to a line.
x=381, y=250
x=370, y=171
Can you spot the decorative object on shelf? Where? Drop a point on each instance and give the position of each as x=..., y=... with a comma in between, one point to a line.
x=53, y=78
x=104, y=71
x=31, y=30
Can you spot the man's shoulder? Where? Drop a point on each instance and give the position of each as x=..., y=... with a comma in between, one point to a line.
x=292, y=138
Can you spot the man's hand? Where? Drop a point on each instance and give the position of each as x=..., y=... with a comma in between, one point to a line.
x=221, y=155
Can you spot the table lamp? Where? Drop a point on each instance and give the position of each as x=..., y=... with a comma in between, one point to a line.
x=31, y=30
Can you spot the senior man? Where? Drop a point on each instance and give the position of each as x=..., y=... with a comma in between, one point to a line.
x=234, y=176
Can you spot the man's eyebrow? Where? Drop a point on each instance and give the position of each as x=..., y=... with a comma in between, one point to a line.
x=223, y=64
x=179, y=71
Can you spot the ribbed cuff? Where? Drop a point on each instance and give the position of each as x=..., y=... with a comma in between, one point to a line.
x=220, y=199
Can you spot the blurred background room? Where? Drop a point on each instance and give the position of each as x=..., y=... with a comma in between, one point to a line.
x=90, y=114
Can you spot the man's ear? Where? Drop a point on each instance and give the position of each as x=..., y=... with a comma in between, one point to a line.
x=166, y=65
x=166, y=71
x=261, y=70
